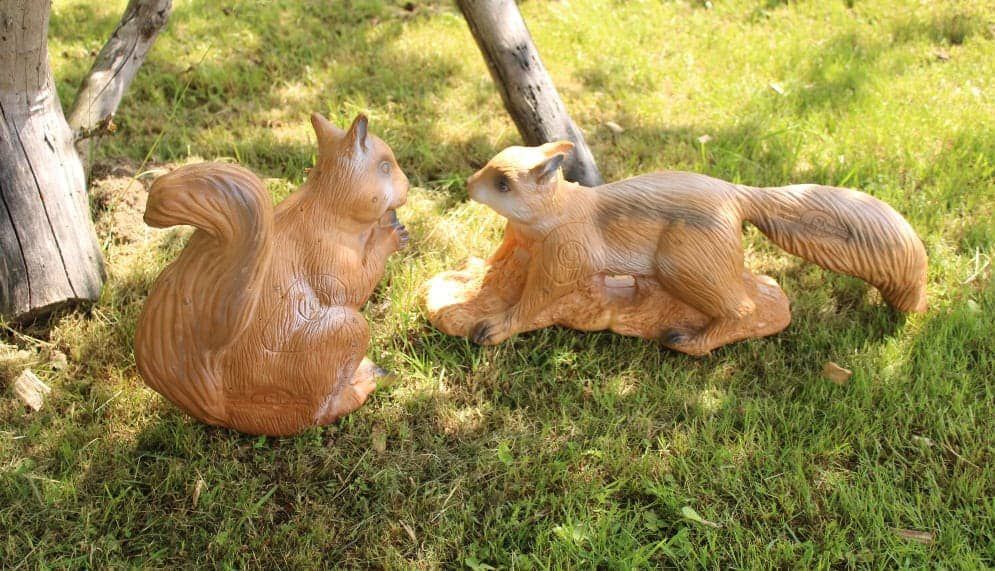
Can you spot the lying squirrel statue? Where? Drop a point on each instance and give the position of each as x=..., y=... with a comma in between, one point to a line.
x=256, y=325
x=682, y=230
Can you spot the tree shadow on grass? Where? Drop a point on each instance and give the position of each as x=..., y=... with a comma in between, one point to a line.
x=270, y=57
x=134, y=461
x=948, y=27
x=513, y=439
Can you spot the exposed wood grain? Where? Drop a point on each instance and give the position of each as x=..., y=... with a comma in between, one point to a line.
x=526, y=88
x=50, y=255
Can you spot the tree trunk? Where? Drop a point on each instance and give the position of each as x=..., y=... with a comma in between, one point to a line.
x=116, y=65
x=49, y=255
x=525, y=86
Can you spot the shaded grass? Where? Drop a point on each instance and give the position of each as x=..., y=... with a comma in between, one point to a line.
x=557, y=449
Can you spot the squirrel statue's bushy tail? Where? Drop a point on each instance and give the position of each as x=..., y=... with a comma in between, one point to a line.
x=844, y=231
x=180, y=337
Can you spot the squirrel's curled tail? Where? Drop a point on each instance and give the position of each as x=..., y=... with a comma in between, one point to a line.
x=844, y=231
x=208, y=296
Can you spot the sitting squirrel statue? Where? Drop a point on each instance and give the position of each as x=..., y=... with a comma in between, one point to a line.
x=256, y=325
x=680, y=230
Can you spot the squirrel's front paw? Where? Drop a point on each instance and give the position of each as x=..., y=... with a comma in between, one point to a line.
x=393, y=231
x=401, y=235
x=490, y=331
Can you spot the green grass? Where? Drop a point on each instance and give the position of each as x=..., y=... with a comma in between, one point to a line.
x=559, y=448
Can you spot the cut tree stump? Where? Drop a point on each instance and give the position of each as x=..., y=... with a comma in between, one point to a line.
x=49, y=255
x=526, y=88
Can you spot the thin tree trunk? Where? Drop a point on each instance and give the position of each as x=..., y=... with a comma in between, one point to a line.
x=525, y=86
x=116, y=65
x=49, y=255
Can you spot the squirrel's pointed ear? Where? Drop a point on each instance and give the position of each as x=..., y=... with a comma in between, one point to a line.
x=557, y=148
x=357, y=134
x=324, y=130
x=546, y=171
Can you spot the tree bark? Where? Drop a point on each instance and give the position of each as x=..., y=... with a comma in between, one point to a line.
x=115, y=67
x=49, y=254
x=524, y=83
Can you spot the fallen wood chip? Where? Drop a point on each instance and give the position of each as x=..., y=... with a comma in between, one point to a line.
x=410, y=532
x=198, y=488
x=379, y=438
x=57, y=360
x=31, y=390
x=835, y=373
x=923, y=537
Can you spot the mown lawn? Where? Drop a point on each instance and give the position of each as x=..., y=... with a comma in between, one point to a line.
x=558, y=449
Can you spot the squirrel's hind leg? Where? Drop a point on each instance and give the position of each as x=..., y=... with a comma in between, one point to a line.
x=355, y=392
x=771, y=315
x=703, y=267
x=716, y=333
x=365, y=380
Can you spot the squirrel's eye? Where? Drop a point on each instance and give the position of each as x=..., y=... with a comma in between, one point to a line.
x=502, y=185
x=385, y=167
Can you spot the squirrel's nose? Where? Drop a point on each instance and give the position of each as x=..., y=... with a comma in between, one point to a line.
x=401, y=191
x=471, y=183
x=405, y=185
